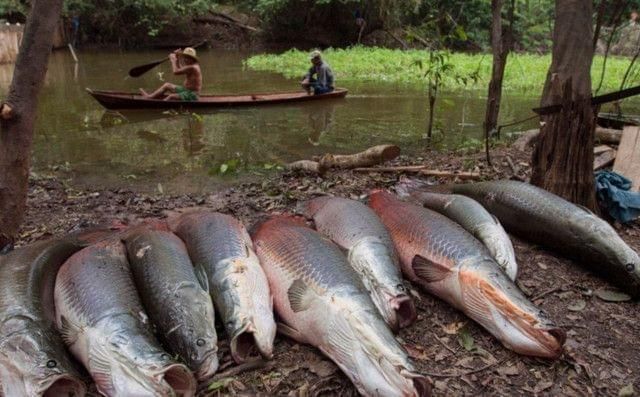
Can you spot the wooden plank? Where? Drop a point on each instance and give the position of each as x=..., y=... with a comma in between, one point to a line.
x=601, y=149
x=604, y=159
x=628, y=158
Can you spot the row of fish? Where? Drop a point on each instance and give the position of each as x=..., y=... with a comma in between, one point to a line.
x=338, y=288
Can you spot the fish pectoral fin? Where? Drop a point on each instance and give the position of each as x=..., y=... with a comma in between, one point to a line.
x=100, y=368
x=201, y=275
x=300, y=296
x=290, y=332
x=68, y=331
x=476, y=305
x=429, y=270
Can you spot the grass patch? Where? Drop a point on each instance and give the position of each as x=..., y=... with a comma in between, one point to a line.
x=524, y=72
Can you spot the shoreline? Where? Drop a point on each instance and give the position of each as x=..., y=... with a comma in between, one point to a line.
x=600, y=356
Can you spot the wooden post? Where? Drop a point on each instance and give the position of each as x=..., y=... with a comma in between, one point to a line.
x=16, y=131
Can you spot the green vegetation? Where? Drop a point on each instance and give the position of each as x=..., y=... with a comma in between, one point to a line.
x=525, y=72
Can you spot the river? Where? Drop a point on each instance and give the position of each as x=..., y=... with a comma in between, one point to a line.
x=182, y=152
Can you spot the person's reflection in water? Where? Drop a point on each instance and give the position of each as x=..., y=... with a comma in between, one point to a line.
x=193, y=135
x=320, y=120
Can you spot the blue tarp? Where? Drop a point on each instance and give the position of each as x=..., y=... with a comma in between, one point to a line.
x=612, y=190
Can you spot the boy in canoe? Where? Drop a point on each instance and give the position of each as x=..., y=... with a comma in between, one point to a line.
x=323, y=80
x=182, y=62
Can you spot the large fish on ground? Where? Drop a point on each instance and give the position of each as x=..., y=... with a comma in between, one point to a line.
x=475, y=219
x=101, y=319
x=355, y=228
x=33, y=361
x=549, y=220
x=447, y=261
x=221, y=245
x=323, y=302
x=174, y=298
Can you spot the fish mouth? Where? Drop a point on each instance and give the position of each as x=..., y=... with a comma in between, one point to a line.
x=245, y=342
x=207, y=367
x=404, y=311
x=179, y=378
x=64, y=385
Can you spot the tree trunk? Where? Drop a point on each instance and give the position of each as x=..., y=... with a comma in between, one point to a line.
x=500, y=48
x=19, y=113
x=432, y=105
x=563, y=157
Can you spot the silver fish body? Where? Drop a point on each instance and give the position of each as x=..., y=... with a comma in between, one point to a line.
x=475, y=219
x=220, y=245
x=549, y=220
x=33, y=361
x=101, y=319
x=323, y=302
x=173, y=297
x=447, y=261
x=370, y=251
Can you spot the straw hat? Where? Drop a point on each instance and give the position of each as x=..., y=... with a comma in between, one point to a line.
x=315, y=54
x=190, y=52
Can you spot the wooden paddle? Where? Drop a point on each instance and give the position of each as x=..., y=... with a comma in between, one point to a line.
x=142, y=69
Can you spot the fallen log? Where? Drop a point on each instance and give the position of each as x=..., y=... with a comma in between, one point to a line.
x=372, y=156
x=422, y=170
x=306, y=165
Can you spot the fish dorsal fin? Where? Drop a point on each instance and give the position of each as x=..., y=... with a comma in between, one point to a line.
x=429, y=270
x=300, y=296
x=202, y=277
x=68, y=332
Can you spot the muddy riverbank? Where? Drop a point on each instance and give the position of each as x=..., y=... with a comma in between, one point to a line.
x=602, y=355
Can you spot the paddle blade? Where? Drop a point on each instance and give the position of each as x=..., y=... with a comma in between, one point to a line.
x=142, y=69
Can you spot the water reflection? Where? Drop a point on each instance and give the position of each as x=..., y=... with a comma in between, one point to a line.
x=320, y=121
x=186, y=150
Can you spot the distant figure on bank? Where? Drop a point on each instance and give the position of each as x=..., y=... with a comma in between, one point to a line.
x=634, y=18
x=182, y=62
x=360, y=23
x=322, y=83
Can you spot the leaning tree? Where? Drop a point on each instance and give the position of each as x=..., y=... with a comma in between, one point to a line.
x=563, y=157
x=18, y=114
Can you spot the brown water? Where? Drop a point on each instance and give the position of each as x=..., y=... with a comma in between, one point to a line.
x=171, y=152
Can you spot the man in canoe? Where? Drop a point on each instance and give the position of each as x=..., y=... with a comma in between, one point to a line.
x=182, y=62
x=319, y=78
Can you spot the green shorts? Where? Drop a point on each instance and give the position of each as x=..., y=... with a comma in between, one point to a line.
x=186, y=94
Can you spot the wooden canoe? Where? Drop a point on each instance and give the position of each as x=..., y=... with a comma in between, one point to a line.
x=128, y=100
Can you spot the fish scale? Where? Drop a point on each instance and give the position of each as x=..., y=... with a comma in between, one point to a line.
x=177, y=304
x=100, y=316
x=542, y=217
x=300, y=258
x=322, y=301
x=29, y=341
x=450, y=263
x=370, y=252
x=220, y=246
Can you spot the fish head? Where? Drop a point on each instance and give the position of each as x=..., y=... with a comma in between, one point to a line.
x=604, y=243
x=493, y=300
x=376, y=262
x=370, y=355
x=196, y=335
x=138, y=367
x=34, y=363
